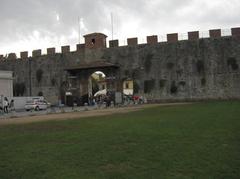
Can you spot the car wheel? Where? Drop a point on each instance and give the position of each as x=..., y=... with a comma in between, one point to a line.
x=37, y=108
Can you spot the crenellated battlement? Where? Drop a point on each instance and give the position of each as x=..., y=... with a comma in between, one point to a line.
x=152, y=39
x=65, y=49
x=215, y=33
x=80, y=47
x=194, y=35
x=36, y=53
x=51, y=51
x=132, y=41
x=98, y=40
x=24, y=55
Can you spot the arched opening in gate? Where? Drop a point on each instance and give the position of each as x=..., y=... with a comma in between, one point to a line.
x=97, y=87
x=102, y=87
x=85, y=80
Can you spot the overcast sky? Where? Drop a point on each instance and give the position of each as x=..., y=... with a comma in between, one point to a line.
x=38, y=24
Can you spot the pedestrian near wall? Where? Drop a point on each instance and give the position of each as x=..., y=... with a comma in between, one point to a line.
x=1, y=104
x=11, y=105
x=5, y=105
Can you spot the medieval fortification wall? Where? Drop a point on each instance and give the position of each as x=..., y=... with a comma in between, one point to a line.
x=197, y=68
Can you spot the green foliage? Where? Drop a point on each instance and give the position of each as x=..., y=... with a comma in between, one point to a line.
x=232, y=63
x=149, y=85
x=173, y=88
x=64, y=85
x=39, y=74
x=162, y=83
x=198, y=140
x=135, y=87
x=19, y=89
x=95, y=87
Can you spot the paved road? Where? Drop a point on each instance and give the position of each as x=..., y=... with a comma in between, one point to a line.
x=52, y=110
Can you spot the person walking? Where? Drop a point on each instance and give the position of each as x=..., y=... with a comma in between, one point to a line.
x=11, y=105
x=5, y=105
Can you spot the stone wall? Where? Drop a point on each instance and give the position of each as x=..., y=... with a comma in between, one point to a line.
x=176, y=70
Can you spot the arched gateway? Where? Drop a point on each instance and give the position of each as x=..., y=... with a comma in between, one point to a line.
x=79, y=87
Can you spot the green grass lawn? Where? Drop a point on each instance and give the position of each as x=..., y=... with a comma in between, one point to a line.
x=190, y=141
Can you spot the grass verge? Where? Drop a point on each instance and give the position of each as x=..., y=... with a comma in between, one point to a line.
x=189, y=141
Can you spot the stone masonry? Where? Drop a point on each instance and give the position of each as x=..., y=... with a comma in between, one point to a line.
x=194, y=69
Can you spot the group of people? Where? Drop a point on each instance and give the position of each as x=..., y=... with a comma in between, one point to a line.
x=134, y=99
x=6, y=105
x=100, y=99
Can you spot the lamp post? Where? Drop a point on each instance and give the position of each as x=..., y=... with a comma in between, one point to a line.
x=30, y=75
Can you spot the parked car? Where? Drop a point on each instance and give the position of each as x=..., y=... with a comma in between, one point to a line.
x=36, y=105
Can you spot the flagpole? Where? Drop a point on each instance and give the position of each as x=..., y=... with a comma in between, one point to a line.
x=79, y=28
x=112, y=23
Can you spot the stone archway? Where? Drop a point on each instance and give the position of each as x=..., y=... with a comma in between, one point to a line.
x=78, y=78
x=96, y=84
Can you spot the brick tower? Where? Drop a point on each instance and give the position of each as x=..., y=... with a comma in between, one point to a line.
x=95, y=40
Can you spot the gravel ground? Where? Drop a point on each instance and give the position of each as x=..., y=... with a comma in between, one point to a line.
x=68, y=113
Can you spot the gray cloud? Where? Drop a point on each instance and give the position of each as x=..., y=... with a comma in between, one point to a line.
x=27, y=20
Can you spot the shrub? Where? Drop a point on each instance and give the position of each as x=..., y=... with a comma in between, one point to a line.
x=149, y=85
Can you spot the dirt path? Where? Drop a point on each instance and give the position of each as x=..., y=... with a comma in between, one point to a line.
x=75, y=115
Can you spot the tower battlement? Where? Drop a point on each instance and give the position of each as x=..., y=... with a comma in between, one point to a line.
x=98, y=41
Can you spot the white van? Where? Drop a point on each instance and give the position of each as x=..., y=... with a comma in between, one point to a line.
x=20, y=102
